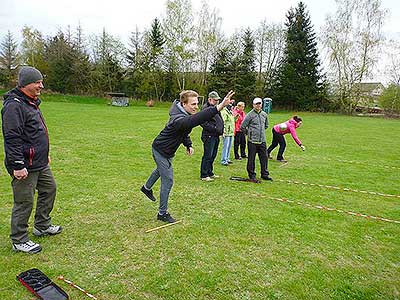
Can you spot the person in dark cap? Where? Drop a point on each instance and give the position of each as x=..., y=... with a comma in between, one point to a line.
x=26, y=147
x=212, y=130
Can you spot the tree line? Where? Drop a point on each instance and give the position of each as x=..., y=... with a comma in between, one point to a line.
x=179, y=51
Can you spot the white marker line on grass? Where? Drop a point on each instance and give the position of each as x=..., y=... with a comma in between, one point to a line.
x=335, y=209
x=367, y=164
x=339, y=188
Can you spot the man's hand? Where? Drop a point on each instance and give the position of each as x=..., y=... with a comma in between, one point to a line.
x=303, y=148
x=21, y=174
x=226, y=101
x=189, y=151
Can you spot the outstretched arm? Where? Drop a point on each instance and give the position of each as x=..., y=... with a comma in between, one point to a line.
x=294, y=136
x=199, y=118
x=226, y=101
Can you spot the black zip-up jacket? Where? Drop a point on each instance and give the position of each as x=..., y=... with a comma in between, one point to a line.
x=178, y=128
x=26, y=141
x=213, y=127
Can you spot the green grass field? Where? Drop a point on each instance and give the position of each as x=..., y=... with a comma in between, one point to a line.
x=235, y=241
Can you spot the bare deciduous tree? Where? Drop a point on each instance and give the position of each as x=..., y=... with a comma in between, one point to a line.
x=392, y=68
x=208, y=38
x=178, y=28
x=33, y=49
x=270, y=44
x=351, y=38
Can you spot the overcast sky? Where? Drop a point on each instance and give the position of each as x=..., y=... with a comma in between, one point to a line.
x=120, y=17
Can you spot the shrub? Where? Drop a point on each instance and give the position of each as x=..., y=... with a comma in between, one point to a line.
x=390, y=99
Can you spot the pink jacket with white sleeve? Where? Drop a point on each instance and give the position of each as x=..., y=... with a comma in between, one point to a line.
x=286, y=127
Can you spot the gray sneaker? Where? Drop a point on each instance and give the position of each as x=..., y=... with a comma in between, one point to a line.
x=27, y=247
x=51, y=230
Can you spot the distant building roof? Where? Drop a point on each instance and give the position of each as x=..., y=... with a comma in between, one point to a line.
x=368, y=87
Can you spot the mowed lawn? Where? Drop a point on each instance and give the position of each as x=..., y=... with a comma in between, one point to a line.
x=235, y=240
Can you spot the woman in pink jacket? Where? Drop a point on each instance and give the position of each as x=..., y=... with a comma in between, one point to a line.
x=278, y=132
x=240, y=137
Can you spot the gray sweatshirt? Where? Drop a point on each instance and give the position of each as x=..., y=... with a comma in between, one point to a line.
x=254, y=125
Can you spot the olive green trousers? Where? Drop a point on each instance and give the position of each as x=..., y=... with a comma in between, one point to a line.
x=24, y=194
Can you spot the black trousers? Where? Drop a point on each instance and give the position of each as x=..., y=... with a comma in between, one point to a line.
x=210, y=145
x=261, y=150
x=277, y=138
x=240, y=141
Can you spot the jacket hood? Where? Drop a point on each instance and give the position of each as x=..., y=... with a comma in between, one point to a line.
x=17, y=93
x=11, y=94
x=177, y=110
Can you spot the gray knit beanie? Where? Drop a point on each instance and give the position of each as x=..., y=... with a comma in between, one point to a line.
x=28, y=75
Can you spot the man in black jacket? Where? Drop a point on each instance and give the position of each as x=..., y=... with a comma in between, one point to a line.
x=26, y=147
x=212, y=130
x=183, y=118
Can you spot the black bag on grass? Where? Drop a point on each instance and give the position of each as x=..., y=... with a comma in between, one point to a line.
x=41, y=285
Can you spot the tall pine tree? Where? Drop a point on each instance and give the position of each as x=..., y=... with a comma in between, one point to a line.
x=222, y=71
x=157, y=74
x=9, y=60
x=108, y=55
x=300, y=84
x=59, y=58
x=157, y=39
x=235, y=70
x=245, y=86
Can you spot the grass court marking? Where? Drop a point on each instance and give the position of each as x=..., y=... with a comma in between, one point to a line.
x=338, y=188
x=335, y=209
x=363, y=163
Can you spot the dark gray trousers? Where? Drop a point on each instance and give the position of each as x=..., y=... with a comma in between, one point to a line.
x=164, y=170
x=24, y=193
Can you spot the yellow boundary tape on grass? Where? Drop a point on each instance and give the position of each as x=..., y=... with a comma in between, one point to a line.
x=163, y=226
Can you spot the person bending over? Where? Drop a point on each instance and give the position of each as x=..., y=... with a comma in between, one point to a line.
x=278, y=133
